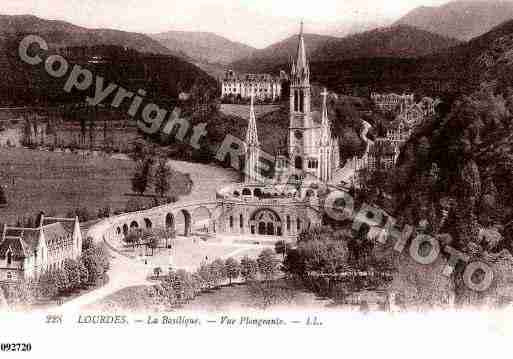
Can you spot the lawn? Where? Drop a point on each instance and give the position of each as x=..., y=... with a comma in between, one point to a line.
x=56, y=183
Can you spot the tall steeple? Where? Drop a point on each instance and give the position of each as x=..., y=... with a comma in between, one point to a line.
x=301, y=51
x=300, y=69
x=252, y=133
x=252, y=146
x=326, y=142
x=325, y=123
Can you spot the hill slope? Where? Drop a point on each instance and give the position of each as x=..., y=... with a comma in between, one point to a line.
x=394, y=42
x=204, y=47
x=399, y=41
x=279, y=53
x=448, y=73
x=129, y=59
x=462, y=20
x=63, y=34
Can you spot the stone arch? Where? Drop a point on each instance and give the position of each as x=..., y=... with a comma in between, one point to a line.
x=118, y=231
x=134, y=224
x=236, y=194
x=148, y=223
x=246, y=192
x=266, y=221
x=257, y=192
x=125, y=229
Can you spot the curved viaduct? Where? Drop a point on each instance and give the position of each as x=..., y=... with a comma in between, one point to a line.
x=244, y=216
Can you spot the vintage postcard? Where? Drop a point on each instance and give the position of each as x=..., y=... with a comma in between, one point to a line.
x=313, y=177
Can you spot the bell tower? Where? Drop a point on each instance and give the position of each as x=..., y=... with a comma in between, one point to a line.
x=300, y=138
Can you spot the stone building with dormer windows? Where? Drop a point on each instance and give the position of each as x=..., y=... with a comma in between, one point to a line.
x=26, y=253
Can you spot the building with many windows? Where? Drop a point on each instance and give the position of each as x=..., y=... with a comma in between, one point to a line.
x=242, y=86
x=26, y=253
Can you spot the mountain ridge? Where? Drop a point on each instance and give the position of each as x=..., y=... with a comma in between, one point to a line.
x=462, y=20
x=203, y=46
x=401, y=41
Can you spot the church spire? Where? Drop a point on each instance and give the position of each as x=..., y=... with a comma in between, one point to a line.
x=252, y=133
x=301, y=64
x=325, y=123
x=252, y=146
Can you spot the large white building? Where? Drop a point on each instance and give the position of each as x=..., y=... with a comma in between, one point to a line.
x=262, y=86
x=26, y=253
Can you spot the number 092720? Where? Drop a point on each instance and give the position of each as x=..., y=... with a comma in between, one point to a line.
x=15, y=347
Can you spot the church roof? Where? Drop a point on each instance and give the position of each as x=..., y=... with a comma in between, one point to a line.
x=24, y=241
x=21, y=242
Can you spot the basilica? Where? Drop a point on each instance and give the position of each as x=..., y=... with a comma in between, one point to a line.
x=313, y=153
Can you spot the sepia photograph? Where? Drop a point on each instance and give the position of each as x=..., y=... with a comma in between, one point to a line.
x=238, y=177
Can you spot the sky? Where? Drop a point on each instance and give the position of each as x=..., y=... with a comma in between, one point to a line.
x=255, y=22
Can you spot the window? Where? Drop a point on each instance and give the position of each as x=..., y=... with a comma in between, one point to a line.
x=9, y=258
x=241, y=221
x=313, y=163
x=231, y=221
x=288, y=223
x=9, y=275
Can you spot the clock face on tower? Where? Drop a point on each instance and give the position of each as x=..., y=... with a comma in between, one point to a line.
x=298, y=134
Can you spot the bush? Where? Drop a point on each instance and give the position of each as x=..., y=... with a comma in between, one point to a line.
x=218, y=272
x=20, y=295
x=268, y=264
x=72, y=270
x=282, y=247
x=248, y=268
x=62, y=282
x=232, y=269
x=47, y=286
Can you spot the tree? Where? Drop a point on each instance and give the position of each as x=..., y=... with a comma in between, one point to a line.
x=47, y=285
x=87, y=244
x=72, y=270
x=84, y=274
x=232, y=269
x=62, y=282
x=153, y=242
x=282, y=247
x=268, y=264
x=157, y=271
x=205, y=275
x=161, y=178
x=248, y=268
x=134, y=237
x=141, y=177
x=94, y=268
x=217, y=269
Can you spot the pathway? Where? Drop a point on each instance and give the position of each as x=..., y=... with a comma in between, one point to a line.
x=126, y=272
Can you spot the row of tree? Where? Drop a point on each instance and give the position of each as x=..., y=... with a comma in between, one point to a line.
x=181, y=286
